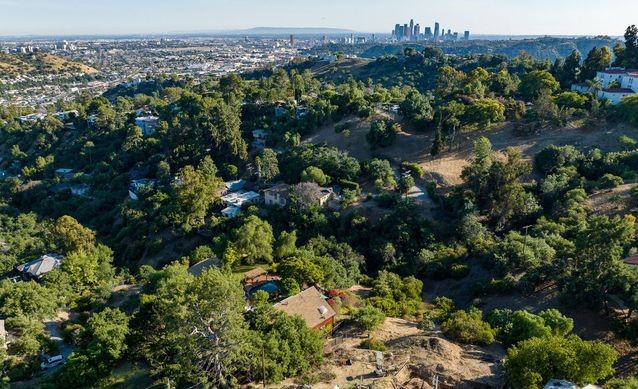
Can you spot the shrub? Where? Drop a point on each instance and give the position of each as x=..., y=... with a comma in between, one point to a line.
x=609, y=181
x=350, y=185
x=627, y=143
x=372, y=344
x=468, y=327
x=416, y=171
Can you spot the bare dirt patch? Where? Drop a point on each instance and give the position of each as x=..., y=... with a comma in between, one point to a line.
x=617, y=201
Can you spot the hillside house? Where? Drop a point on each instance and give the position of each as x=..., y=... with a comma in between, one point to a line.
x=311, y=306
x=238, y=199
x=277, y=195
x=234, y=186
x=38, y=268
x=147, y=124
x=617, y=83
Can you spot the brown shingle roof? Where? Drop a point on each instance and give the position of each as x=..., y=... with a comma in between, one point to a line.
x=256, y=272
x=309, y=305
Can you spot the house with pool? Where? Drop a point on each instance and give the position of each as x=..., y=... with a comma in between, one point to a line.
x=311, y=306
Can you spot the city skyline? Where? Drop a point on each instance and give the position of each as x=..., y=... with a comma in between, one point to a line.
x=102, y=17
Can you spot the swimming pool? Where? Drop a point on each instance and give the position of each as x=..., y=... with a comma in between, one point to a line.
x=270, y=287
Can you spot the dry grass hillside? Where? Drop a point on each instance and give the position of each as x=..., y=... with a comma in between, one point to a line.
x=446, y=168
x=45, y=63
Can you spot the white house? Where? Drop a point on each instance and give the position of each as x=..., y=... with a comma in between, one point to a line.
x=614, y=95
x=238, y=199
x=147, y=124
x=617, y=83
x=231, y=212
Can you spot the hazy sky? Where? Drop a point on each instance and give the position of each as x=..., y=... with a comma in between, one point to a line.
x=564, y=17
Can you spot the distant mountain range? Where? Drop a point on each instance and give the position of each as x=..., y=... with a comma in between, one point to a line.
x=288, y=31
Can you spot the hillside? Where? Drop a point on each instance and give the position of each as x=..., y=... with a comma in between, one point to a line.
x=41, y=63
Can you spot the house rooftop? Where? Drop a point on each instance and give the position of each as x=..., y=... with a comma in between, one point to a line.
x=254, y=273
x=310, y=305
x=39, y=267
x=278, y=188
x=198, y=268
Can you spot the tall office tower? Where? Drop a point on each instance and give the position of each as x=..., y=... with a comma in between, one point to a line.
x=417, y=31
x=456, y=36
x=397, y=31
x=466, y=36
x=436, y=31
x=292, y=40
x=411, y=32
x=406, y=34
x=428, y=33
x=325, y=39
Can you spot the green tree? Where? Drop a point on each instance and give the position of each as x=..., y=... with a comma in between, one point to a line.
x=194, y=192
x=405, y=183
x=416, y=107
x=267, y=165
x=70, y=235
x=286, y=244
x=88, y=269
x=535, y=83
x=568, y=73
x=254, y=240
x=381, y=134
x=485, y=112
x=314, y=174
x=109, y=329
x=531, y=363
x=28, y=299
x=368, y=318
x=599, y=58
x=468, y=327
x=193, y=329
x=628, y=109
x=381, y=173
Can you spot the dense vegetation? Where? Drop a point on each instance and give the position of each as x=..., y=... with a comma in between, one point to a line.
x=124, y=273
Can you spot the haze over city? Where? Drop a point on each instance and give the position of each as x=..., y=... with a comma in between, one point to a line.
x=568, y=17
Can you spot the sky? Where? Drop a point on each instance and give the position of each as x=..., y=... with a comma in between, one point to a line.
x=509, y=17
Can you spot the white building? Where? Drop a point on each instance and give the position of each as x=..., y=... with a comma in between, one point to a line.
x=614, y=95
x=617, y=83
x=238, y=199
x=147, y=124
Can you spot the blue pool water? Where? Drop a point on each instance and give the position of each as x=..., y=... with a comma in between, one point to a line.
x=270, y=287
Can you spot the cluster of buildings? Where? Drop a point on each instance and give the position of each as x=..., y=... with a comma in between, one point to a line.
x=119, y=61
x=413, y=32
x=616, y=83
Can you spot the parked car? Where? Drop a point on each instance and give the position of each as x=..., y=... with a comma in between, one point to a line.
x=51, y=361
